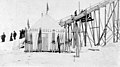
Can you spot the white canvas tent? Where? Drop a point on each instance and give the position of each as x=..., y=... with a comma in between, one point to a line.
x=46, y=22
x=47, y=25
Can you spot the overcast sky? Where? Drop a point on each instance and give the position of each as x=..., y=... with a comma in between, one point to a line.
x=15, y=13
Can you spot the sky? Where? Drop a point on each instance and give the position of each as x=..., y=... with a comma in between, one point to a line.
x=15, y=13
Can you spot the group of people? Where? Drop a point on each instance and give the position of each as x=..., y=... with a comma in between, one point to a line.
x=22, y=34
x=13, y=36
x=75, y=38
x=59, y=44
x=76, y=44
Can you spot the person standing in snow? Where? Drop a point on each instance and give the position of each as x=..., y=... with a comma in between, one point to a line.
x=14, y=35
x=75, y=38
x=11, y=39
x=3, y=37
x=20, y=35
x=58, y=41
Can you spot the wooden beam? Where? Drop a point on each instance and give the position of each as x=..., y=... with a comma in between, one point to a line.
x=89, y=10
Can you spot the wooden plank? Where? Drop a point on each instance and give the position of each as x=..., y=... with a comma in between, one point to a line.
x=89, y=10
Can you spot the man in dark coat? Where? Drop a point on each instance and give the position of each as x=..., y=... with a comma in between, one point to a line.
x=11, y=39
x=3, y=37
x=14, y=35
x=58, y=40
x=20, y=35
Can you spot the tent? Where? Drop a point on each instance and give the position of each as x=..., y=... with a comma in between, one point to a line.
x=47, y=24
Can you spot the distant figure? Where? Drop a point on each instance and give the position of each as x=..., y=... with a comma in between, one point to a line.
x=76, y=41
x=14, y=35
x=75, y=13
x=20, y=35
x=23, y=33
x=11, y=39
x=3, y=37
x=58, y=40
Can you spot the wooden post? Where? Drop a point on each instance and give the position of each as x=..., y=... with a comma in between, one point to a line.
x=117, y=21
x=105, y=27
x=93, y=25
x=68, y=39
x=99, y=25
x=107, y=24
x=83, y=33
x=113, y=23
x=85, y=29
x=68, y=31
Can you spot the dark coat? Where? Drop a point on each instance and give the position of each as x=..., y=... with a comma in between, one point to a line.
x=58, y=39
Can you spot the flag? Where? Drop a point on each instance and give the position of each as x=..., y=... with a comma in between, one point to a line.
x=47, y=8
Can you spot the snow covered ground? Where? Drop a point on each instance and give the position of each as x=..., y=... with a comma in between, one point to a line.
x=108, y=56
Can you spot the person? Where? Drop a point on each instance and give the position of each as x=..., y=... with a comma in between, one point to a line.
x=75, y=38
x=3, y=37
x=11, y=39
x=22, y=33
x=14, y=35
x=58, y=41
x=20, y=37
x=75, y=13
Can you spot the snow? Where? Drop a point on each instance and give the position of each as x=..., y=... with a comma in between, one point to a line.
x=108, y=56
